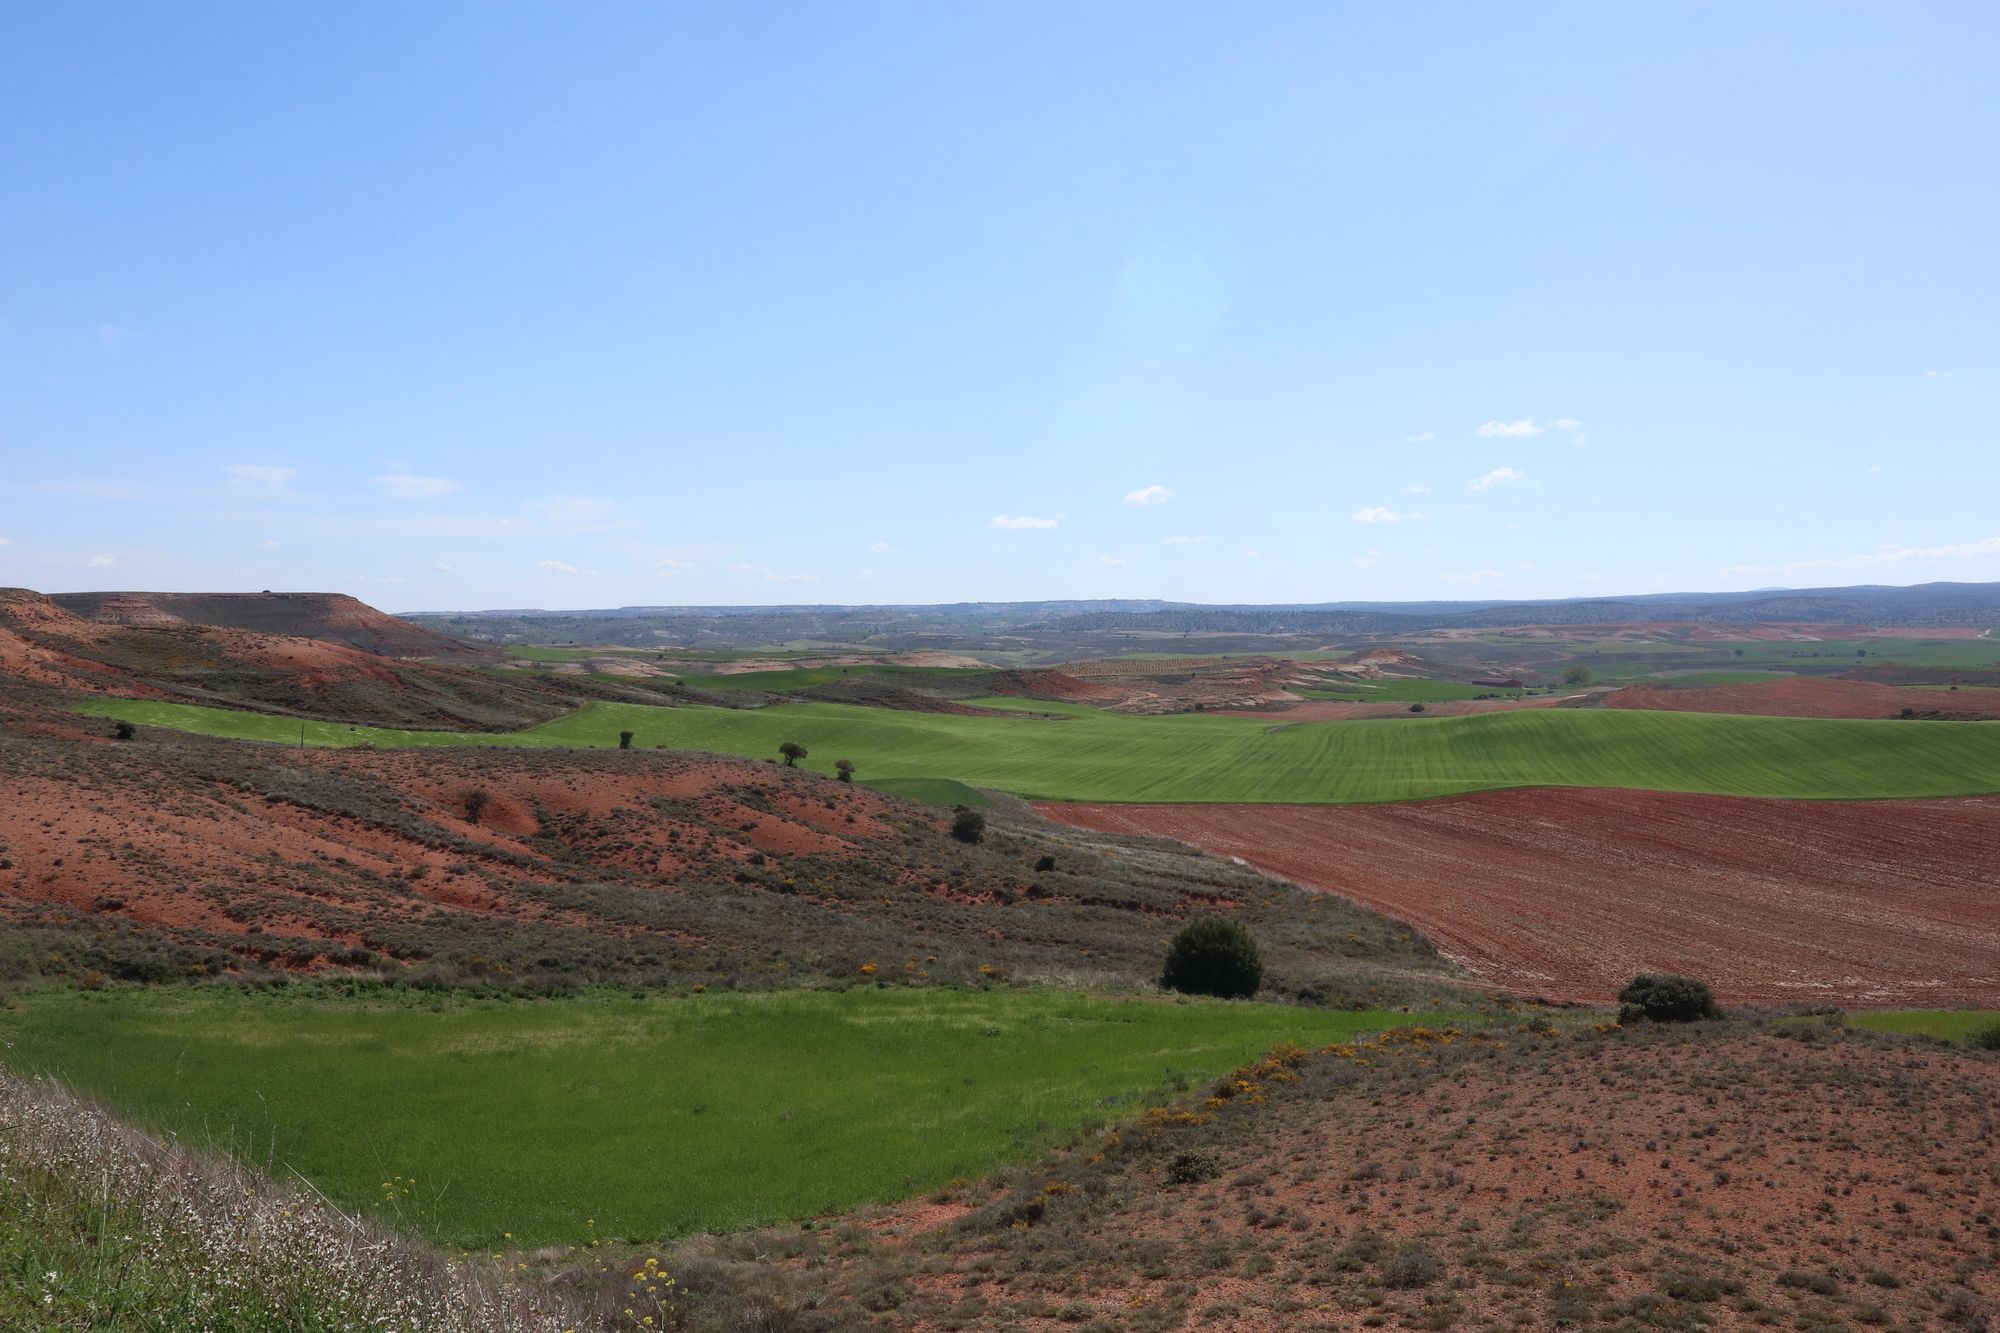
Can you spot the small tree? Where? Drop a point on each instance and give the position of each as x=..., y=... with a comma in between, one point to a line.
x=793, y=752
x=968, y=825
x=844, y=769
x=475, y=804
x=1213, y=955
x=624, y=740
x=124, y=731
x=1577, y=675
x=1416, y=708
x=1666, y=998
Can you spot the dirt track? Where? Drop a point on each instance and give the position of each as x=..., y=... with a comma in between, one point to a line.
x=1567, y=893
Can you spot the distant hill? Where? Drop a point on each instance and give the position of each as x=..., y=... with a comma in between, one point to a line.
x=330, y=617
x=1925, y=606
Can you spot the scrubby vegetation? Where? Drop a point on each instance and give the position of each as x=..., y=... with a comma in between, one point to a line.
x=1666, y=998
x=1213, y=955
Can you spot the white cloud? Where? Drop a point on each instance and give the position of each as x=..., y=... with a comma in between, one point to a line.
x=1938, y=375
x=1566, y=423
x=113, y=336
x=1113, y=560
x=392, y=578
x=1512, y=430
x=1424, y=438
x=270, y=543
x=1367, y=559
x=440, y=568
x=1376, y=514
x=1499, y=476
x=668, y=566
x=1476, y=576
x=5, y=541
x=1151, y=495
x=99, y=561
x=770, y=575
x=1182, y=541
x=880, y=546
x=1020, y=523
x=557, y=567
x=865, y=576
x=1884, y=555
x=1251, y=552
x=259, y=479
x=1418, y=490
x=405, y=486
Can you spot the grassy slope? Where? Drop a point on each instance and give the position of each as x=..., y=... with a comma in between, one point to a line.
x=653, y=1116
x=1094, y=756
x=1950, y=1024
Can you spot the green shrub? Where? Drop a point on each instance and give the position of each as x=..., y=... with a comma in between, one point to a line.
x=1666, y=998
x=1213, y=955
x=124, y=731
x=968, y=826
x=1986, y=1038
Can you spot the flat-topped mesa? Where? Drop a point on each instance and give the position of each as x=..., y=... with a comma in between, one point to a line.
x=328, y=616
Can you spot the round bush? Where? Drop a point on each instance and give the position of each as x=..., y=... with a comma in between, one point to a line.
x=1985, y=1038
x=968, y=825
x=1213, y=955
x=1666, y=998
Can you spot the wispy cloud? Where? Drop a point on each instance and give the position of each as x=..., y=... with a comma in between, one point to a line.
x=407, y=486
x=1182, y=541
x=100, y=561
x=1376, y=514
x=563, y=567
x=1883, y=555
x=1367, y=559
x=6, y=541
x=1499, y=476
x=1939, y=375
x=259, y=480
x=1116, y=561
x=111, y=337
x=1477, y=576
x=1150, y=495
x=770, y=575
x=1019, y=522
x=440, y=568
x=1418, y=490
x=1250, y=552
x=669, y=567
x=1526, y=428
x=1424, y=438
x=882, y=547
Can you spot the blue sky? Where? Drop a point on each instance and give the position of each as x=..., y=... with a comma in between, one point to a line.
x=457, y=306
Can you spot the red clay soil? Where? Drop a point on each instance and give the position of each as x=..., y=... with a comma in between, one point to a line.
x=1814, y=1180
x=1566, y=893
x=1806, y=696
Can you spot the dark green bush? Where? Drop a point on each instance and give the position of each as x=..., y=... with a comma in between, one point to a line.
x=1986, y=1038
x=1666, y=998
x=968, y=826
x=1213, y=955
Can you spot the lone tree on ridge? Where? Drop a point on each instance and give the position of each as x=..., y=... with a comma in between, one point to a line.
x=793, y=752
x=844, y=769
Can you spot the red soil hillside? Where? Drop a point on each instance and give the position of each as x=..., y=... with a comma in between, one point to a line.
x=330, y=616
x=1808, y=696
x=1568, y=893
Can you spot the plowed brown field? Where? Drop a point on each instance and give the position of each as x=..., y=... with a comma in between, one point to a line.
x=1807, y=696
x=1567, y=893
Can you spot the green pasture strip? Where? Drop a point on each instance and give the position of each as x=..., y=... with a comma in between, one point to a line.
x=1698, y=678
x=931, y=791
x=1872, y=652
x=1949, y=1024
x=1405, y=692
x=803, y=678
x=655, y=1116
x=1098, y=756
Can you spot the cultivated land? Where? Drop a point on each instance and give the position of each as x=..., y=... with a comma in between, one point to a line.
x=1089, y=755
x=1568, y=894
x=655, y=1117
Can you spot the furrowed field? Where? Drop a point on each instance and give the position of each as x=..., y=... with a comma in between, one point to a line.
x=1082, y=754
x=654, y=1117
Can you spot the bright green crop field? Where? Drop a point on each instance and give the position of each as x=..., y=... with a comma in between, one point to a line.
x=1950, y=1024
x=656, y=1116
x=1086, y=755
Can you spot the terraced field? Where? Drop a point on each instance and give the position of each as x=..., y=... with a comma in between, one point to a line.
x=1086, y=755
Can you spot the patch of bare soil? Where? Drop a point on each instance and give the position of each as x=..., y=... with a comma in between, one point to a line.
x=1794, y=1176
x=1806, y=696
x=1567, y=893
